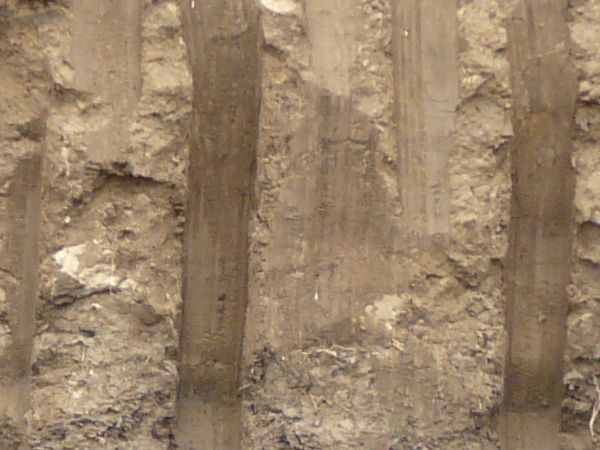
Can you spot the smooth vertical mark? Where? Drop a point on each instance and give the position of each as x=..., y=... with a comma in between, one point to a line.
x=425, y=46
x=329, y=33
x=544, y=85
x=325, y=140
x=223, y=48
x=20, y=264
x=106, y=57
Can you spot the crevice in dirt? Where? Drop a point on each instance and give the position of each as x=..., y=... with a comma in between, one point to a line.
x=123, y=172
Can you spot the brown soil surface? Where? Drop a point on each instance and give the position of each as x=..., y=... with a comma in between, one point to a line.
x=400, y=249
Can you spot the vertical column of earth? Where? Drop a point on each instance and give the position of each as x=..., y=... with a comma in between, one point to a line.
x=23, y=105
x=19, y=290
x=105, y=54
x=544, y=87
x=223, y=49
x=425, y=47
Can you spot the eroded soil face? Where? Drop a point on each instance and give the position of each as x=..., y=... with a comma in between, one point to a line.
x=354, y=338
x=103, y=90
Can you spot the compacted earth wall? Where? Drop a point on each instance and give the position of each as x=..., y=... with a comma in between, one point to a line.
x=300, y=224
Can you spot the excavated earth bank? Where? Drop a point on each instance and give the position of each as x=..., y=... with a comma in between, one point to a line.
x=354, y=337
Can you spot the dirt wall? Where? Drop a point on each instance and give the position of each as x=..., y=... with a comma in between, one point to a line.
x=116, y=96
x=378, y=228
